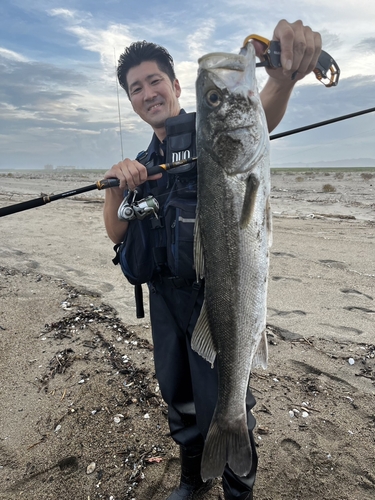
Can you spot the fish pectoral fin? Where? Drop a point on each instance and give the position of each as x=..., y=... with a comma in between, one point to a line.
x=201, y=341
x=261, y=356
x=249, y=200
x=198, y=250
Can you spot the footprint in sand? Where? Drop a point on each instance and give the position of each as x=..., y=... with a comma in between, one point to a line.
x=327, y=429
x=333, y=263
x=294, y=452
x=362, y=309
x=5, y=252
x=285, y=278
x=32, y=264
x=283, y=254
x=309, y=369
x=295, y=312
x=290, y=445
x=346, y=329
x=351, y=291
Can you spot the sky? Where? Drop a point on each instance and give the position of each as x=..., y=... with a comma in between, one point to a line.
x=60, y=103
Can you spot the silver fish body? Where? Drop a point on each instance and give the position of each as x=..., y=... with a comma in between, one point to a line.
x=232, y=239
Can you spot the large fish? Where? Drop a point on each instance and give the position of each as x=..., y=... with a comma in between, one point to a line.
x=232, y=240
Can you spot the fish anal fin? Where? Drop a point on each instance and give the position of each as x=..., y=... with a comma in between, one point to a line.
x=249, y=200
x=260, y=358
x=201, y=341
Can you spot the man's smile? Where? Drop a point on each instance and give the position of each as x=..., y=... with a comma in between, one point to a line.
x=155, y=106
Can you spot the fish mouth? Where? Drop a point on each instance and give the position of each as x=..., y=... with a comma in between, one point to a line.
x=228, y=61
x=236, y=72
x=223, y=60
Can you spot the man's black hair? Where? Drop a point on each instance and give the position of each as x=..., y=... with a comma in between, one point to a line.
x=139, y=52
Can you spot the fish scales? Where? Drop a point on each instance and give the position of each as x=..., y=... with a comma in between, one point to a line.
x=232, y=239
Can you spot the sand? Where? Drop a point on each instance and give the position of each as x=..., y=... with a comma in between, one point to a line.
x=78, y=386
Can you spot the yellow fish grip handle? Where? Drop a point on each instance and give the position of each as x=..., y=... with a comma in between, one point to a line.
x=326, y=67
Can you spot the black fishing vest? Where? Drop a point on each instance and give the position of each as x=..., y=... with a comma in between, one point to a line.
x=163, y=245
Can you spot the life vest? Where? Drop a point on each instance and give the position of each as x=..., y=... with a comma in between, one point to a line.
x=163, y=244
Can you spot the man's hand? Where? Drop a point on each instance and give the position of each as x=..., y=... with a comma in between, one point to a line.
x=130, y=173
x=300, y=50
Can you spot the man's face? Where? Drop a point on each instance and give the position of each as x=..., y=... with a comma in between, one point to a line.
x=152, y=94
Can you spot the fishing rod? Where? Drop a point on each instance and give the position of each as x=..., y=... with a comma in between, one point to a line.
x=320, y=124
x=103, y=184
x=108, y=183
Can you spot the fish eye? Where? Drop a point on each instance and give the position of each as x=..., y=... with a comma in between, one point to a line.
x=214, y=98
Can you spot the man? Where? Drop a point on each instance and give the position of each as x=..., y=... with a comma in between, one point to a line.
x=187, y=382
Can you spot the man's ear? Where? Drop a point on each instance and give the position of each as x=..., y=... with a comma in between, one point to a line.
x=177, y=88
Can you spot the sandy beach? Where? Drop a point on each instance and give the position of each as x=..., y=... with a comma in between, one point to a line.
x=81, y=415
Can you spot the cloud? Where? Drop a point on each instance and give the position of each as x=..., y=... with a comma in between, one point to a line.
x=330, y=40
x=65, y=13
x=10, y=54
x=106, y=42
x=197, y=41
x=367, y=44
x=33, y=84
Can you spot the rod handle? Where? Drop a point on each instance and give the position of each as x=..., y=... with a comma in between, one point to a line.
x=107, y=183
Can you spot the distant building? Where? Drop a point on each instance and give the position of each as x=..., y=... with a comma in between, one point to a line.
x=48, y=167
x=65, y=167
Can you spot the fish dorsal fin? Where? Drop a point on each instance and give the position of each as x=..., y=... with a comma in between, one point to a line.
x=249, y=200
x=201, y=341
x=261, y=356
x=198, y=249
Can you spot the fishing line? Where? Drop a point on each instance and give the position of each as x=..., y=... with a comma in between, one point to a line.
x=118, y=105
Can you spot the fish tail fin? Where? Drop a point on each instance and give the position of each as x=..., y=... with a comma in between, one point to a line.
x=227, y=445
